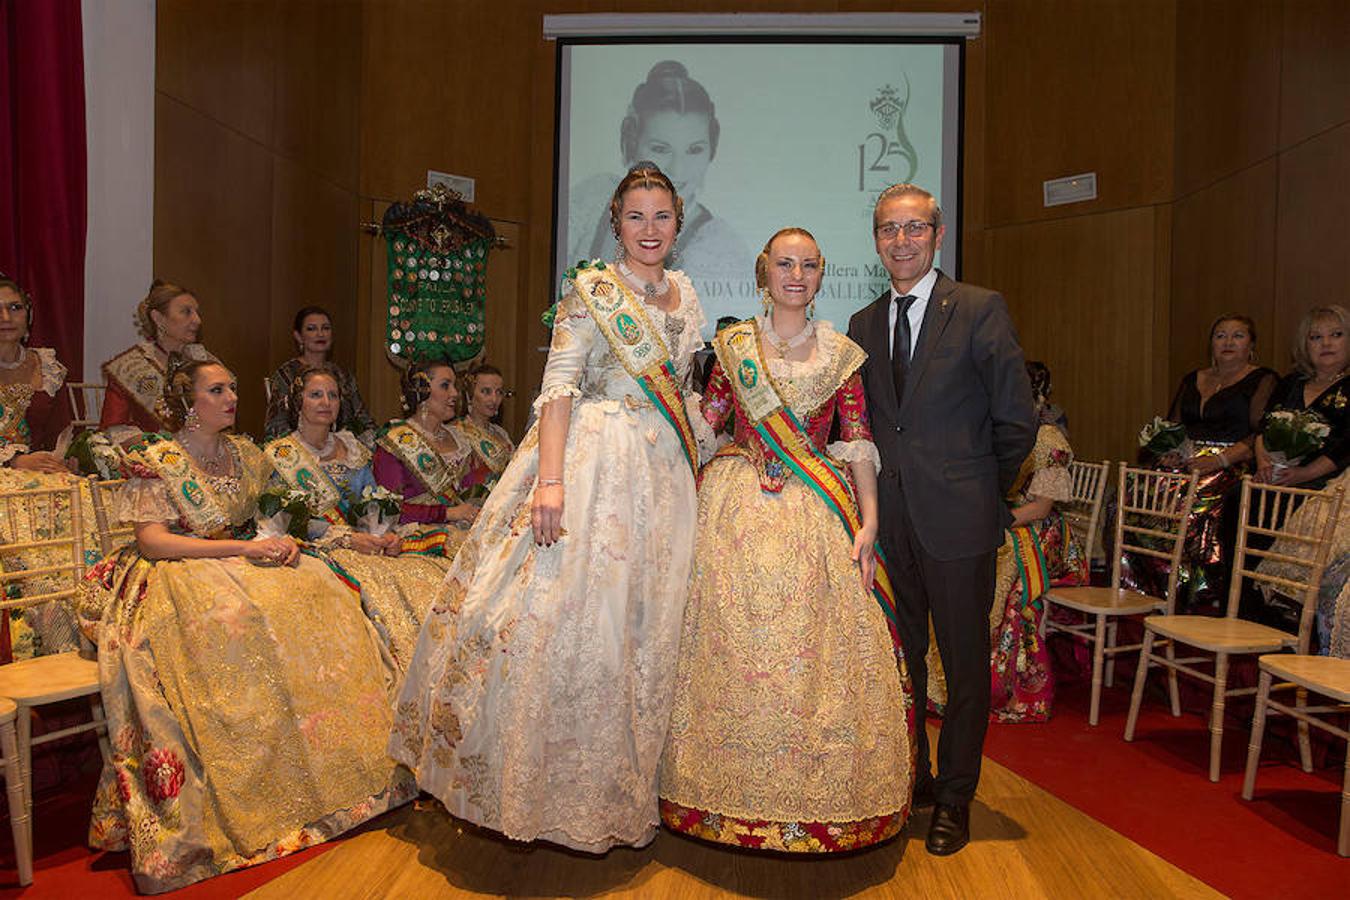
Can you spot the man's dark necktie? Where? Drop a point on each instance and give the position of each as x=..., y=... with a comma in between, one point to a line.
x=900, y=340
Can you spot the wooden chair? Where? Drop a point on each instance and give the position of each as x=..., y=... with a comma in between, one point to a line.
x=86, y=402
x=112, y=535
x=1265, y=512
x=1084, y=509
x=1152, y=510
x=18, y=813
x=43, y=680
x=1325, y=676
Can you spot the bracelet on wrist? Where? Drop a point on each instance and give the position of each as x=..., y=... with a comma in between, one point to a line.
x=544, y=482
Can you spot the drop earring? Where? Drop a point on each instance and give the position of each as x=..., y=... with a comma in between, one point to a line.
x=620, y=254
x=766, y=301
x=192, y=421
x=811, y=309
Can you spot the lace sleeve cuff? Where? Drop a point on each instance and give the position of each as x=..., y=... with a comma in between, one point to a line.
x=1052, y=483
x=144, y=500
x=855, y=451
x=554, y=392
x=9, y=450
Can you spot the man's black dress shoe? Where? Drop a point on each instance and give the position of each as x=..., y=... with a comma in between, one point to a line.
x=949, y=830
x=924, y=796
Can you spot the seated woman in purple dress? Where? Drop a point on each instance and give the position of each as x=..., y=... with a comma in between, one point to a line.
x=422, y=460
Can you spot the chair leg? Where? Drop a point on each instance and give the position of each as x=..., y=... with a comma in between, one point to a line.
x=1216, y=714
x=18, y=816
x=1343, y=842
x=24, y=732
x=1304, y=741
x=1258, y=734
x=1140, y=675
x=96, y=708
x=1173, y=692
x=1098, y=652
x=1110, y=679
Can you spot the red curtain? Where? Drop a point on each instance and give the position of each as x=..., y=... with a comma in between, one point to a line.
x=43, y=168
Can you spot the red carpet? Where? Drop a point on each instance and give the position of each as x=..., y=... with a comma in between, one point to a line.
x=1156, y=791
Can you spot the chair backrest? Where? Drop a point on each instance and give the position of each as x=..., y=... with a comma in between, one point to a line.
x=1152, y=511
x=1293, y=528
x=41, y=545
x=86, y=402
x=111, y=534
x=1084, y=509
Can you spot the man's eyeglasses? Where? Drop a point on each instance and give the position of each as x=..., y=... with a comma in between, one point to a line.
x=913, y=229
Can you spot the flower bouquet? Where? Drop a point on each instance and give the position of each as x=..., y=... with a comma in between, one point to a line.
x=94, y=454
x=283, y=511
x=1162, y=438
x=1292, y=435
x=376, y=510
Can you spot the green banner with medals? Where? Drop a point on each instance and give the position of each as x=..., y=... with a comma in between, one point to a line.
x=437, y=254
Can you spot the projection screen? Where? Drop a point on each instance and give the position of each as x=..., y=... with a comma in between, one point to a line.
x=803, y=132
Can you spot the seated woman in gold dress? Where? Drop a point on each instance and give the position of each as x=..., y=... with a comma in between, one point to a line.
x=490, y=442
x=423, y=460
x=332, y=468
x=248, y=697
x=169, y=322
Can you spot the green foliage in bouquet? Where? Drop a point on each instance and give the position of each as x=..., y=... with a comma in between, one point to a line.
x=94, y=454
x=280, y=499
x=1160, y=436
x=1296, y=433
x=376, y=497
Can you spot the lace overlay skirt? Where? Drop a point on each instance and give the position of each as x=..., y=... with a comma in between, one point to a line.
x=537, y=701
x=791, y=729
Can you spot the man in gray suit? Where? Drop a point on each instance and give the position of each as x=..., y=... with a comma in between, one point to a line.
x=953, y=418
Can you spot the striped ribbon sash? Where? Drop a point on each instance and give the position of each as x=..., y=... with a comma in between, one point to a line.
x=1031, y=570
x=623, y=321
x=738, y=350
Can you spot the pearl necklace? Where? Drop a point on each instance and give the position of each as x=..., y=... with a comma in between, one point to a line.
x=440, y=434
x=23, y=355
x=785, y=345
x=650, y=289
x=320, y=453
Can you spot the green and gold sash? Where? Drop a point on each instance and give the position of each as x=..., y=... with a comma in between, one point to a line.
x=14, y=402
x=190, y=491
x=623, y=321
x=491, y=449
x=409, y=447
x=301, y=470
x=738, y=349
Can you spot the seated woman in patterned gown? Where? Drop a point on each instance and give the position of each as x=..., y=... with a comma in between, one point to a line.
x=792, y=724
x=248, y=697
x=423, y=460
x=333, y=469
x=490, y=442
x=169, y=322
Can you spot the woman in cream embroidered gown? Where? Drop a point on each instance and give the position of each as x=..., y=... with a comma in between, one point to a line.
x=333, y=469
x=537, y=702
x=247, y=707
x=791, y=726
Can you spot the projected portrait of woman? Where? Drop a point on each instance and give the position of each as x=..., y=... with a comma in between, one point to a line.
x=671, y=121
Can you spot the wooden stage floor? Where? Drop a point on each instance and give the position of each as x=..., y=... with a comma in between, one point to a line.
x=1024, y=843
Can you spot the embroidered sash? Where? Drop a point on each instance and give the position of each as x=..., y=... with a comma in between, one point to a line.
x=140, y=377
x=623, y=321
x=14, y=402
x=197, y=503
x=415, y=451
x=1031, y=569
x=487, y=446
x=301, y=470
x=738, y=349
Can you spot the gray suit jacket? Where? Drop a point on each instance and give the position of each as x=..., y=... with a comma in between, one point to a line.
x=964, y=426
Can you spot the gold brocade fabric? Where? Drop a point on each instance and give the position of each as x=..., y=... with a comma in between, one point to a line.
x=788, y=705
x=396, y=592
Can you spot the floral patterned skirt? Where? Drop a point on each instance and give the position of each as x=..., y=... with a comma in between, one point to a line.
x=247, y=709
x=396, y=592
x=792, y=725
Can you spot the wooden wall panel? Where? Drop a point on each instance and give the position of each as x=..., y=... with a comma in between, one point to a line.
x=1314, y=68
x=1227, y=88
x=1078, y=87
x=213, y=232
x=1223, y=261
x=1082, y=294
x=219, y=57
x=1312, y=266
